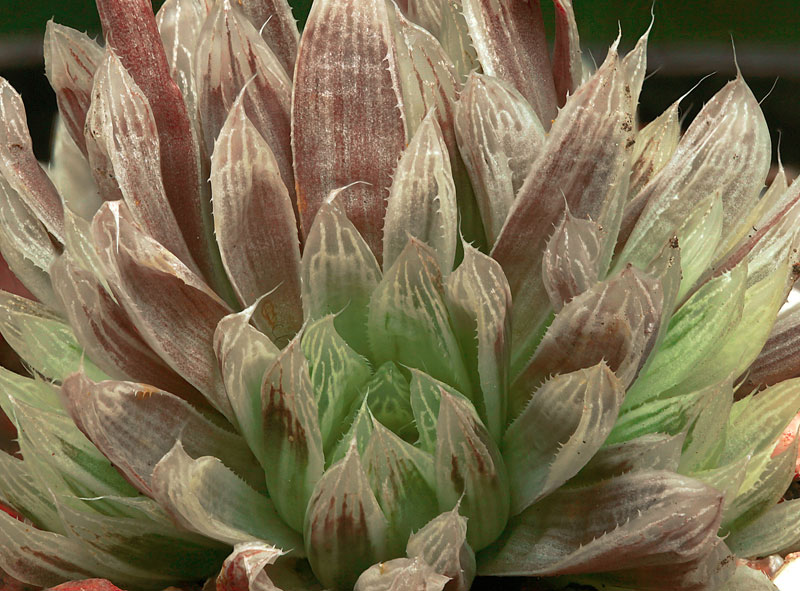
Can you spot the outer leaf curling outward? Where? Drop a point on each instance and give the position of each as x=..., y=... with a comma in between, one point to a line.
x=135, y=425
x=583, y=165
x=131, y=31
x=634, y=520
x=256, y=226
x=339, y=133
x=19, y=166
x=157, y=291
x=511, y=44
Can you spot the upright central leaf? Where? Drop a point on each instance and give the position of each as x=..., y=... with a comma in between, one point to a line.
x=347, y=122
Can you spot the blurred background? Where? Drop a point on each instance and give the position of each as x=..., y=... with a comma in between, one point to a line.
x=690, y=38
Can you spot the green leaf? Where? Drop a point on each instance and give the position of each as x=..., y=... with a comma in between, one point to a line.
x=402, y=479
x=206, y=497
x=694, y=334
x=337, y=374
x=409, y=322
x=292, y=438
x=389, y=399
x=339, y=274
x=42, y=339
x=776, y=531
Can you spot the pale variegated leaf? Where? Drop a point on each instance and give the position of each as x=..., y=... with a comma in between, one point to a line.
x=442, y=543
x=121, y=124
x=571, y=259
x=706, y=437
x=638, y=519
x=109, y=336
x=341, y=134
x=402, y=478
x=763, y=486
x=344, y=530
x=358, y=433
x=293, y=451
x=470, y=471
x=26, y=245
x=179, y=24
x=499, y=137
x=447, y=23
x=616, y=320
x=511, y=44
x=727, y=479
x=70, y=60
x=19, y=490
x=672, y=414
x=135, y=425
x=635, y=66
x=339, y=274
x=726, y=148
x=146, y=545
x=205, y=496
x=654, y=451
x=401, y=574
x=568, y=72
x=19, y=166
x=741, y=345
x=694, y=334
x=699, y=236
x=776, y=531
x=429, y=82
x=563, y=425
x=583, y=165
x=337, y=375
x=231, y=58
x=655, y=145
x=175, y=312
x=255, y=225
x=757, y=421
x=388, y=396
x=479, y=302
x=34, y=392
x=131, y=32
x=70, y=172
x=409, y=322
x=244, y=354
x=42, y=339
x=422, y=199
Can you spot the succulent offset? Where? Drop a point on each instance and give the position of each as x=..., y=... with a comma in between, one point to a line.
x=388, y=305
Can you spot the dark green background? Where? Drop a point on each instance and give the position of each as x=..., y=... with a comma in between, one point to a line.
x=766, y=21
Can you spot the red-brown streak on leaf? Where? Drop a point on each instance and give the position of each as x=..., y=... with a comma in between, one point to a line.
x=340, y=133
x=130, y=29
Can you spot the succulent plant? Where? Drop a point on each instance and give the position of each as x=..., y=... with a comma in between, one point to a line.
x=389, y=305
